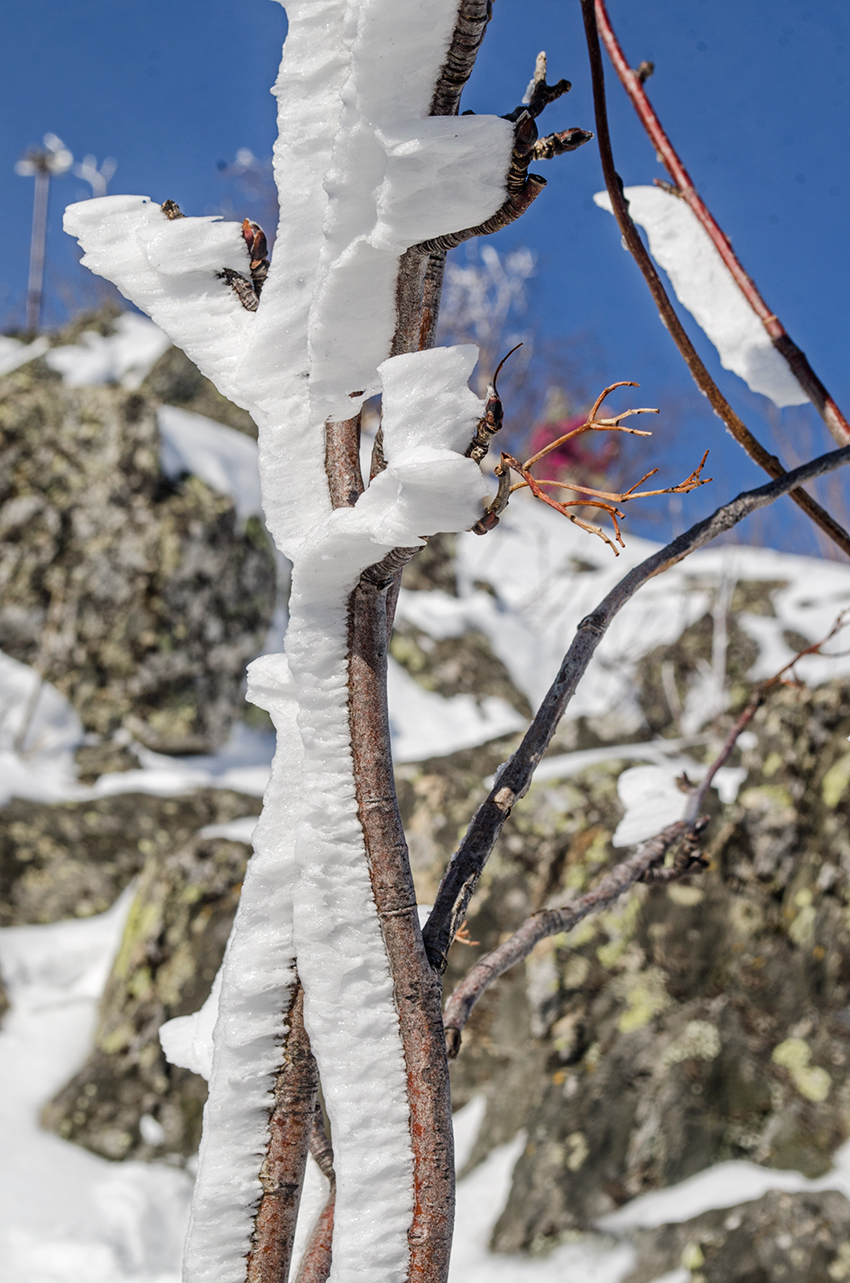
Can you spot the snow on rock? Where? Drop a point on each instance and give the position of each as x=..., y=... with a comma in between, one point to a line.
x=682, y=246
x=126, y=356
x=14, y=353
x=547, y=575
x=424, y=724
x=66, y=1215
x=222, y=457
x=39, y=731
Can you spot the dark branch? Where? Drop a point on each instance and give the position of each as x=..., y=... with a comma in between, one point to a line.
x=514, y=778
x=699, y=373
x=550, y=922
x=472, y=19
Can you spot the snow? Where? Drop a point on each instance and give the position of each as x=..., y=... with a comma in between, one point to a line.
x=537, y=567
x=652, y=798
x=425, y=725
x=14, y=353
x=363, y=174
x=126, y=356
x=102, y=1222
x=67, y=1216
x=188, y=1040
x=703, y=284
x=39, y=731
x=222, y=457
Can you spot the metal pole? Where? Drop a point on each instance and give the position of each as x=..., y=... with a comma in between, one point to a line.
x=35, y=284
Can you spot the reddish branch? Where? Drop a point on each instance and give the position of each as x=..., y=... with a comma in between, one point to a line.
x=700, y=374
x=282, y=1172
x=633, y=82
x=604, y=500
x=514, y=778
x=550, y=922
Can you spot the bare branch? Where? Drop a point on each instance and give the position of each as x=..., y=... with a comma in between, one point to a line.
x=752, y=706
x=282, y=1172
x=472, y=19
x=700, y=374
x=550, y=922
x=514, y=778
x=633, y=81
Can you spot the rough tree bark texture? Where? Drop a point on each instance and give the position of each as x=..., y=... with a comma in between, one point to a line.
x=282, y=1173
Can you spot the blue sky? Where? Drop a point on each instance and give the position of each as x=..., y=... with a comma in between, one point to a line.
x=753, y=94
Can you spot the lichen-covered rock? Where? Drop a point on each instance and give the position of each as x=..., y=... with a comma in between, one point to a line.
x=127, y=1101
x=703, y=1021
x=780, y=1238
x=73, y=859
x=175, y=380
x=689, y=1024
x=141, y=601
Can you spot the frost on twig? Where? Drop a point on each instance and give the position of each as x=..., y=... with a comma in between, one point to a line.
x=300, y=343
x=522, y=187
x=799, y=372
x=604, y=500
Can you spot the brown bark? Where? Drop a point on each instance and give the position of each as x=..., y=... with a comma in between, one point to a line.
x=342, y=461
x=417, y=988
x=316, y=1263
x=282, y=1172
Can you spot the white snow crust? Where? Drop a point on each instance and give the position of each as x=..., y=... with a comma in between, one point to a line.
x=39, y=731
x=702, y=283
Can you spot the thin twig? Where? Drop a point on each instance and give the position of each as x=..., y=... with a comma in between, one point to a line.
x=316, y=1262
x=632, y=82
x=644, y=865
x=550, y=922
x=513, y=780
x=700, y=374
x=749, y=711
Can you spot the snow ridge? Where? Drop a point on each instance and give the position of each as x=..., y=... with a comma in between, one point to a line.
x=702, y=283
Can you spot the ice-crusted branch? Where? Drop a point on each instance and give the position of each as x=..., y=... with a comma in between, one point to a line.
x=514, y=778
x=633, y=82
x=550, y=922
x=768, y=462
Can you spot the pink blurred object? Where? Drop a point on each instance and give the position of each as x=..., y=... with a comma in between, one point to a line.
x=576, y=456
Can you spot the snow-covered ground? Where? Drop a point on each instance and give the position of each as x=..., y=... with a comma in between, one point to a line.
x=67, y=1216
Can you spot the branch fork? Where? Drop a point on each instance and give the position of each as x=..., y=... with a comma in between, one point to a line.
x=604, y=500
